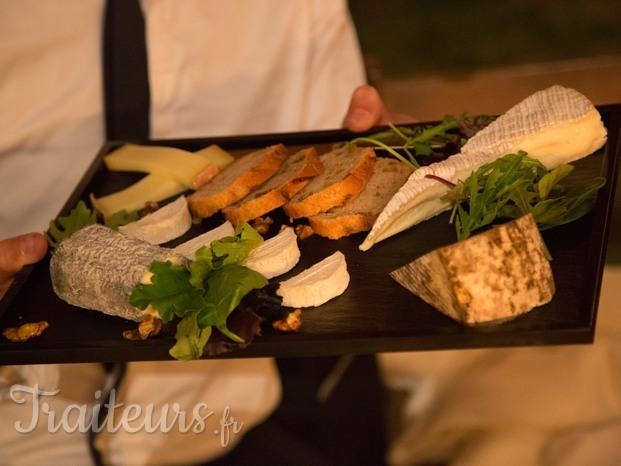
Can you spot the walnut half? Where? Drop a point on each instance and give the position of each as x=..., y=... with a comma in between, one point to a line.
x=25, y=332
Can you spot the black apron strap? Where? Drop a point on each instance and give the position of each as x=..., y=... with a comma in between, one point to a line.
x=125, y=73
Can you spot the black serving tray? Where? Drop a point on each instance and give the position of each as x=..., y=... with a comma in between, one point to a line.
x=374, y=315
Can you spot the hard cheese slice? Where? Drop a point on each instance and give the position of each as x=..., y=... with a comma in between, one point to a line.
x=490, y=277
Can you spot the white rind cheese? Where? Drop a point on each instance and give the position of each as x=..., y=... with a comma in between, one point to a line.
x=189, y=248
x=316, y=285
x=490, y=277
x=163, y=225
x=419, y=198
x=275, y=256
x=556, y=125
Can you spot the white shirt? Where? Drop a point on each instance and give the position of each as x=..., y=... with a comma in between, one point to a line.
x=216, y=68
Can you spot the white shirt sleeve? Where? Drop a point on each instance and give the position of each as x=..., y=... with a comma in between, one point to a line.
x=51, y=106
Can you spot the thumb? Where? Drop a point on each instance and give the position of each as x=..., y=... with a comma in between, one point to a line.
x=366, y=109
x=17, y=252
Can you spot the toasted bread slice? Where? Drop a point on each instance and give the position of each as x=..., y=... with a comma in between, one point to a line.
x=237, y=180
x=346, y=172
x=295, y=173
x=359, y=213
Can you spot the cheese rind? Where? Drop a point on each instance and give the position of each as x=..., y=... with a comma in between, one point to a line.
x=316, y=285
x=490, y=277
x=275, y=256
x=97, y=268
x=163, y=225
x=556, y=125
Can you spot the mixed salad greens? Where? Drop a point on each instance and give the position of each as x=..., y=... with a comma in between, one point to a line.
x=204, y=293
x=427, y=143
x=516, y=185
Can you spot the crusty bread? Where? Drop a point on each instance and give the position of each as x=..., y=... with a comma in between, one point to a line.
x=359, y=213
x=346, y=172
x=237, y=180
x=294, y=174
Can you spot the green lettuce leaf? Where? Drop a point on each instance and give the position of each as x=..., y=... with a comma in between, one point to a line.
x=227, y=286
x=191, y=339
x=203, y=293
x=62, y=227
x=170, y=291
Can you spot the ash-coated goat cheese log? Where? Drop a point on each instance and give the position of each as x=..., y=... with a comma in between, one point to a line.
x=97, y=268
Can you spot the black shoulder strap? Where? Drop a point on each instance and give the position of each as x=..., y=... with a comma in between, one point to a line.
x=126, y=82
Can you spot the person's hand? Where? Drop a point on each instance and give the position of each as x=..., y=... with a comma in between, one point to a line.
x=366, y=109
x=17, y=252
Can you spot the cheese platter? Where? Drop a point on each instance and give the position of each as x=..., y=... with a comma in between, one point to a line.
x=373, y=314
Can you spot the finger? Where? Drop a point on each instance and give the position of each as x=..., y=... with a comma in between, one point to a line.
x=366, y=109
x=19, y=251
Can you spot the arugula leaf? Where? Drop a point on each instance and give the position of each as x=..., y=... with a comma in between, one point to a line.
x=60, y=228
x=440, y=141
x=551, y=179
x=191, y=339
x=203, y=293
x=577, y=202
x=170, y=291
x=515, y=185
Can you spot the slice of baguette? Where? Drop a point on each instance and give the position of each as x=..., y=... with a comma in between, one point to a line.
x=359, y=213
x=295, y=173
x=346, y=172
x=237, y=180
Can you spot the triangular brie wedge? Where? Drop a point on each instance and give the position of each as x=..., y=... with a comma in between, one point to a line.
x=556, y=125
